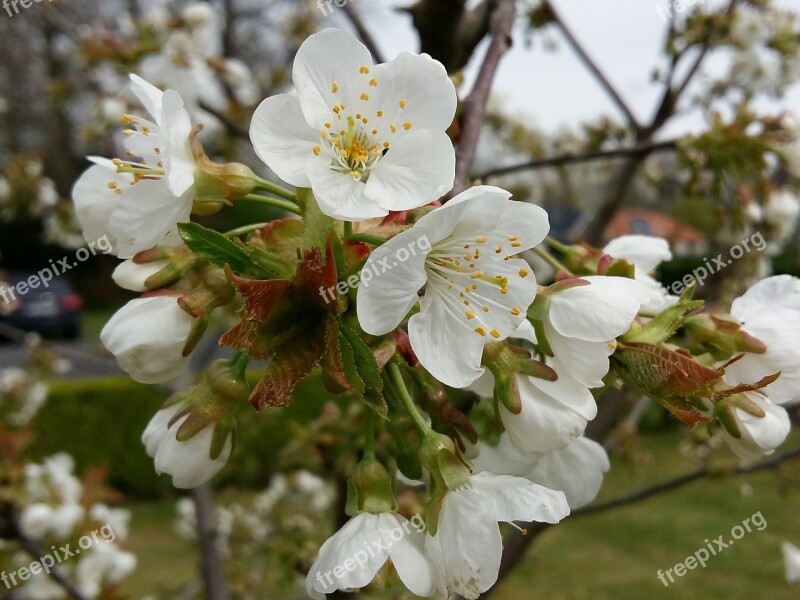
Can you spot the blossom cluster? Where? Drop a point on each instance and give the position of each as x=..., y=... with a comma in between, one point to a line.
x=367, y=148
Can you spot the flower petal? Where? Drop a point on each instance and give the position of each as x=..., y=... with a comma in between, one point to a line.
x=282, y=138
x=176, y=130
x=600, y=311
x=149, y=95
x=388, y=288
x=419, y=168
x=505, y=498
x=329, y=57
x=646, y=252
x=339, y=195
x=778, y=291
x=427, y=94
x=586, y=362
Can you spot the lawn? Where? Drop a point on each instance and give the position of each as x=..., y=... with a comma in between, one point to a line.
x=611, y=555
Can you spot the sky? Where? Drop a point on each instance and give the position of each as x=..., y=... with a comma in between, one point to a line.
x=552, y=90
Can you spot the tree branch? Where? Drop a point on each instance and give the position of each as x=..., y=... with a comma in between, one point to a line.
x=474, y=109
x=587, y=60
x=363, y=32
x=517, y=544
x=568, y=159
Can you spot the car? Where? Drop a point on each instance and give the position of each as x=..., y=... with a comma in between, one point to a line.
x=29, y=303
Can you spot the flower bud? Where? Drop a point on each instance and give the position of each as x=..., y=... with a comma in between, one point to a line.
x=191, y=438
x=214, y=291
x=217, y=185
x=370, y=489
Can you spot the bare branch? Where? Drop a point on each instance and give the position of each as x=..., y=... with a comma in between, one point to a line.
x=34, y=551
x=601, y=77
x=568, y=159
x=474, y=109
x=364, y=33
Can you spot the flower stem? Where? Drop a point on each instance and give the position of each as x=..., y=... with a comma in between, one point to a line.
x=245, y=230
x=275, y=189
x=556, y=244
x=369, y=434
x=238, y=364
x=551, y=260
x=348, y=229
x=408, y=402
x=367, y=238
x=275, y=203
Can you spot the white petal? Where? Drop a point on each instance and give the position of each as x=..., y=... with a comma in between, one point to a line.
x=791, y=559
x=339, y=195
x=349, y=559
x=759, y=435
x=577, y=470
x=646, y=252
x=504, y=459
x=509, y=499
x=328, y=57
x=546, y=423
x=189, y=463
x=586, y=362
x=445, y=345
x=388, y=288
x=147, y=337
x=176, y=128
x=408, y=555
x=779, y=328
x=147, y=214
x=600, y=311
x=423, y=83
x=132, y=276
x=95, y=201
x=778, y=291
x=282, y=138
x=149, y=95
x=419, y=168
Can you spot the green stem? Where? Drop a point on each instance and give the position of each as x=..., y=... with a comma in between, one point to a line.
x=238, y=364
x=275, y=189
x=245, y=230
x=369, y=434
x=557, y=245
x=367, y=238
x=274, y=202
x=408, y=402
x=551, y=260
x=348, y=229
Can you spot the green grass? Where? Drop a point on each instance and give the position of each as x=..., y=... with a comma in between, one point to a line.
x=613, y=555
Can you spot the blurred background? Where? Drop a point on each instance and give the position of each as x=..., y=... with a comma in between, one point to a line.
x=627, y=116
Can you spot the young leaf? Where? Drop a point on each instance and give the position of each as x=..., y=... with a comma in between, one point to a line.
x=218, y=250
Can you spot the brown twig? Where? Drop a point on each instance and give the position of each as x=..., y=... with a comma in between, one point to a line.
x=587, y=60
x=568, y=159
x=31, y=547
x=474, y=109
x=363, y=32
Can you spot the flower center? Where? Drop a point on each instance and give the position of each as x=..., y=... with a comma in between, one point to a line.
x=357, y=137
x=142, y=143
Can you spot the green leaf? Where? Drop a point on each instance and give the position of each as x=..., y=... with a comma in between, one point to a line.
x=290, y=365
x=218, y=250
x=361, y=370
x=318, y=225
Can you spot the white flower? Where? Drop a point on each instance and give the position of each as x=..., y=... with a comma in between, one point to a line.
x=770, y=312
x=117, y=519
x=142, y=210
x=352, y=557
x=132, y=276
x=41, y=586
x=577, y=470
x=645, y=252
x=35, y=520
x=102, y=564
x=758, y=435
x=65, y=518
x=476, y=291
x=189, y=463
x=467, y=547
x=367, y=139
x=791, y=558
x=148, y=336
